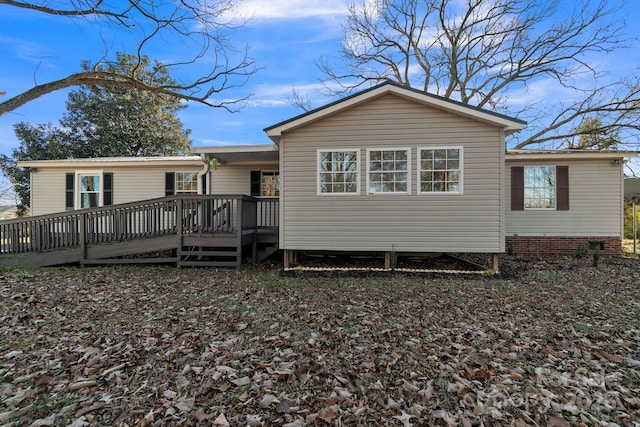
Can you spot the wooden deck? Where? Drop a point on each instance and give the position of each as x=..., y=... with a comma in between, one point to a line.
x=188, y=230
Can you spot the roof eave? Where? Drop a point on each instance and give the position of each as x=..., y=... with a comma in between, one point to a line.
x=107, y=162
x=513, y=155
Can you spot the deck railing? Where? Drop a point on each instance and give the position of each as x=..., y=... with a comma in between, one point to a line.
x=129, y=221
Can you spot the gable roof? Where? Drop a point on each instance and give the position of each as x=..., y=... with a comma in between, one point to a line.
x=509, y=124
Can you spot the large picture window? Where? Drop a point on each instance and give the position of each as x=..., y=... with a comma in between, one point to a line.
x=338, y=172
x=440, y=170
x=388, y=171
x=539, y=187
x=186, y=182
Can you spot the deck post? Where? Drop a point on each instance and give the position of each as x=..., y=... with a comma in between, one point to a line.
x=239, y=228
x=495, y=263
x=387, y=260
x=82, y=229
x=179, y=231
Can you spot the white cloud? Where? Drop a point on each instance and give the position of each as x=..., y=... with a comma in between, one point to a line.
x=280, y=95
x=289, y=9
x=23, y=49
x=542, y=90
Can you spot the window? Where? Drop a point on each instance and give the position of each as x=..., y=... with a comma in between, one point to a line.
x=269, y=184
x=388, y=171
x=440, y=170
x=265, y=183
x=338, y=172
x=186, y=183
x=89, y=190
x=539, y=187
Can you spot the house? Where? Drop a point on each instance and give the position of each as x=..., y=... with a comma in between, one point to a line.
x=387, y=170
x=95, y=182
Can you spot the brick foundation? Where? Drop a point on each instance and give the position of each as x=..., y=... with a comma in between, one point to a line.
x=561, y=245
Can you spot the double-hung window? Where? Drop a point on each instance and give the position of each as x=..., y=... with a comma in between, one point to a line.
x=186, y=182
x=89, y=189
x=440, y=170
x=338, y=171
x=539, y=187
x=388, y=171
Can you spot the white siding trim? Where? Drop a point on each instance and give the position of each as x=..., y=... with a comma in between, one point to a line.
x=400, y=193
x=419, y=169
x=503, y=189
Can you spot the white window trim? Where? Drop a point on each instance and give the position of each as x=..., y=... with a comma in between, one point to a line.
x=358, y=168
x=76, y=196
x=175, y=183
x=555, y=188
x=401, y=193
x=419, y=170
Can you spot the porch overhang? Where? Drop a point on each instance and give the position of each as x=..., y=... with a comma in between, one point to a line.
x=264, y=153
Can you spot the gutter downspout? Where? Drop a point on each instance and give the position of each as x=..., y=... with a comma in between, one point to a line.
x=204, y=171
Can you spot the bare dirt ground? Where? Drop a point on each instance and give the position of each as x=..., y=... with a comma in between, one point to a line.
x=553, y=342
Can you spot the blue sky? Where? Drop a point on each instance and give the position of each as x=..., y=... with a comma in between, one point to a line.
x=284, y=37
x=283, y=41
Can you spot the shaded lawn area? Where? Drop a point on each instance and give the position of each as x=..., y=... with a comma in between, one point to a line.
x=552, y=342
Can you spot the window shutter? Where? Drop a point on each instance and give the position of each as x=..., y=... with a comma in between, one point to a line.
x=562, y=188
x=204, y=183
x=517, y=188
x=169, y=184
x=69, y=191
x=255, y=183
x=107, y=195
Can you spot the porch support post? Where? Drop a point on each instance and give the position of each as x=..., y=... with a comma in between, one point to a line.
x=387, y=260
x=495, y=264
x=82, y=230
x=290, y=256
x=179, y=231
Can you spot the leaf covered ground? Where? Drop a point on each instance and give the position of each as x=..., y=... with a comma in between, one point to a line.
x=552, y=342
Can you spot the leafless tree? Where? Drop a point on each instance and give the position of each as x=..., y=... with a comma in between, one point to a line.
x=481, y=51
x=7, y=195
x=201, y=25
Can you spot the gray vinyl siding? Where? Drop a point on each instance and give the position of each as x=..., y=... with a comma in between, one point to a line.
x=236, y=179
x=470, y=222
x=595, y=202
x=130, y=184
x=47, y=191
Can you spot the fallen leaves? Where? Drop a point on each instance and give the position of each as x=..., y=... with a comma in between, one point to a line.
x=554, y=343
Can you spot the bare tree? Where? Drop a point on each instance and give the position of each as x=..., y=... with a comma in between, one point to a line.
x=481, y=51
x=201, y=25
x=7, y=194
